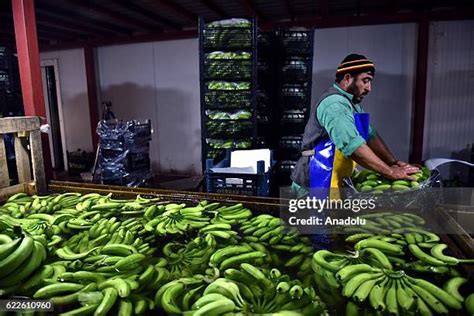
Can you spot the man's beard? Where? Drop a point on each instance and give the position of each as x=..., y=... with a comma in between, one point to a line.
x=352, y=89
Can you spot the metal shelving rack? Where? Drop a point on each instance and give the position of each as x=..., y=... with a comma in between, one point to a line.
x=228, y=40
x=294, y=96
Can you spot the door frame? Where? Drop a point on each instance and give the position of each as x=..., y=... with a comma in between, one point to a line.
x=55, y=64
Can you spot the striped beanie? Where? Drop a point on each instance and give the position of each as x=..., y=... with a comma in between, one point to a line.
x=355, y=64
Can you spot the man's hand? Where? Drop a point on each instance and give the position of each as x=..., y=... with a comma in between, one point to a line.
x=401, y=173
x=409, y=168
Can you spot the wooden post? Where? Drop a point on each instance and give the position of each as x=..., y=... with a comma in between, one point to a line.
x=22, y=158
x=29, y=65
x=416, y=152
x=4, y=176
x=91, y=92
x=36, y=157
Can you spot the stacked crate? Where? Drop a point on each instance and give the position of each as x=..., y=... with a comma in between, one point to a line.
x=124, y=152
x=228, y=56
x=294, y=99
x=266, y=109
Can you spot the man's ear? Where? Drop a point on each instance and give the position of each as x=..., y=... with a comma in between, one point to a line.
x=348, y=79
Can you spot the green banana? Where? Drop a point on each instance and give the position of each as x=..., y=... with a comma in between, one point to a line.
x=420, y=254
x=108, y=301
x=57, y=288
x=123, y=287
x=351, y=270
x=452, y=286
x=17, y=257
x=447, y=299
x=469, y=304
x=246, y=257
x=27, y=267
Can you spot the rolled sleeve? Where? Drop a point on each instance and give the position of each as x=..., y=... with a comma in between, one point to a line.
x=339, y=123
x=372, y=132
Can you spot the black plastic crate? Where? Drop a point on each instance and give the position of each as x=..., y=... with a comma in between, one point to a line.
x=228, y=99
x=79, y=161
x=140, y=129
x=265, y=43
x=228, y=69
x=289, y=154
x=7, y=59
x=295, y=95
x=227, y=37
x=223, y=144
x=296, y=68
x=286, y=166
x=238, y=183
x=229, y=128
x=291, y=142
x=9, y=81
x=296, y=42
x=295, y=116
x=137, y=161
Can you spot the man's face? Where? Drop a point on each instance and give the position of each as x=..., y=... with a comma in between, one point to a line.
x=360, y=86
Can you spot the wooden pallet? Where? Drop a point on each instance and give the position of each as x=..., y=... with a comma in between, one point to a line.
x=28, y=153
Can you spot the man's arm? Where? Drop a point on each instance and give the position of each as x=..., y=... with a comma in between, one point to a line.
x=378, y=146
x=366, y=157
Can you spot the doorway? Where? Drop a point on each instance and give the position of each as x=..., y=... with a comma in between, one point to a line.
x=54, y=113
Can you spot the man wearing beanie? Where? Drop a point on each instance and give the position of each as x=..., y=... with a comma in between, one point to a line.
x=338, y=134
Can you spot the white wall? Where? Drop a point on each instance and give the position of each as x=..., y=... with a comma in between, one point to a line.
x=449, y=120
x=393, y=49
x=159, y=81
x=73, y=89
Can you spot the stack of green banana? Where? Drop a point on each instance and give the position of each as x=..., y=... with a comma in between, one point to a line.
x=284, y=246
x=245, y=290
x=385, y=223
x=20, y=257
x=176, y=219
x=369, y=181
x=96, y=254
x=397, y=293
x=231, y=214
x=187, y=259
x=388, y=252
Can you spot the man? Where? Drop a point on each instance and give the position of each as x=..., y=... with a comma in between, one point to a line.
x=338, y=134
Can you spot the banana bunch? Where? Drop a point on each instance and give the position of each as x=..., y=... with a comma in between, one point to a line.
x=177, y=219
x=395, y=292
x=261, y=291
x=90, y=292
x=286, y=247
x=234, y=255
x=178, y=295
x=436, y=257
x=19, y=259
x=336, y=261
x=222, y=232
x=194, y=296
x=422, y=244
x=370, y=181
x=264, y=228
x=232, y=215
x=187, y=259
x=384, y=223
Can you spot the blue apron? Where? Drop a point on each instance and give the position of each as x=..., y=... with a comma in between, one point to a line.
x=328, y=167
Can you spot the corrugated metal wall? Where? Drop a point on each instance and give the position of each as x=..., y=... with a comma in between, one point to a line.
x=449, y=120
